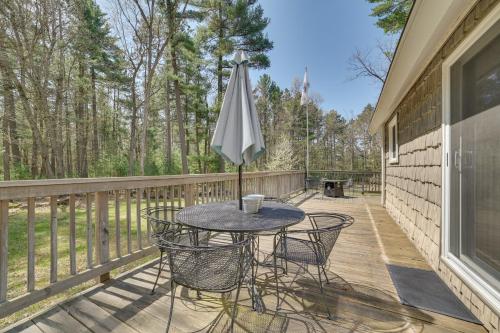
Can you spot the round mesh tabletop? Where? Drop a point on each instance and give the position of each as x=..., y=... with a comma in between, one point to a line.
x=226, y=216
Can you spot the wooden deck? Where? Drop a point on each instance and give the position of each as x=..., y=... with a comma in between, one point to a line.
x=361, y=295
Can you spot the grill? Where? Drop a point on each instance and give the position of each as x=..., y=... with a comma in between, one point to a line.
x=333, y=188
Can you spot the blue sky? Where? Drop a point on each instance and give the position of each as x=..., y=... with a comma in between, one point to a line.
x=322, y=34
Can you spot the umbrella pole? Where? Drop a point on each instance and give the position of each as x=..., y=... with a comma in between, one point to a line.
x=239, y=188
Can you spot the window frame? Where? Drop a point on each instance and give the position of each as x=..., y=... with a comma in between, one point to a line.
x=393, y=140
x=477, y=283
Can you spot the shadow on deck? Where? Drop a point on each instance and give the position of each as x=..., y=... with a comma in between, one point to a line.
x=360, y=295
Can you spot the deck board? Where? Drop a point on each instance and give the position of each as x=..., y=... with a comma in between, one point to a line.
x=360, y=296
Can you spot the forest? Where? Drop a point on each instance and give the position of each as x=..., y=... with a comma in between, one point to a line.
x=134, y=87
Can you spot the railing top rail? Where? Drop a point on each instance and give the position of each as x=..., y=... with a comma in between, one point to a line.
x=51, y=187
x=345, y=171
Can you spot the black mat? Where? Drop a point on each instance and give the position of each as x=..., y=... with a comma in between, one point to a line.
x=424, y=289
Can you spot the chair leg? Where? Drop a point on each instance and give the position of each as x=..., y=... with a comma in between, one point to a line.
x=172, y=299
x=324, y=272
x=323, y=293
x=159, y=272
x=276, y=281
x=235, y=305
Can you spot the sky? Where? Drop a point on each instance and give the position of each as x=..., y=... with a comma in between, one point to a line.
x=322, y=35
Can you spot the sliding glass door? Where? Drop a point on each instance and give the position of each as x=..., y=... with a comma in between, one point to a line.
x=474, y=157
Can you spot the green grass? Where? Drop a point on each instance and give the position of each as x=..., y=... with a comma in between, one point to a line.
x=18, y=249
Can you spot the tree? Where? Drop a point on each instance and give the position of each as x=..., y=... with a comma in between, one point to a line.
x=177, y=38
x=391, y=14
x=334, y=132
x=283, y=157
x=98, y=59
x=374, y=63
x=82, y=97
x=233, y=25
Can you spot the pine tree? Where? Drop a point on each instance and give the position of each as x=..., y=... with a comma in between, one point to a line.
x=232, y=25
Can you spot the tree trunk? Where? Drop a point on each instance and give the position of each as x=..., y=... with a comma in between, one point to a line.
x=67, y=128
x=5, y=135
x=222, y=163
x=58, y=149
x=81, y=126
x=197, y=126
x=145, y=124
x=207, y=136
x=186, y=126
x=10, y=118
x=168, y=128
x=133, y=129
x=180, y=114
x=95, y=129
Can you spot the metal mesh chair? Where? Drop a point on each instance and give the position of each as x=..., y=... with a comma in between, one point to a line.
x=311, y=246
x=163, y=227
x=210, y=268
x=285, y=199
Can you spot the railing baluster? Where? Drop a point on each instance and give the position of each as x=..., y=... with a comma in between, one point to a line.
x=165, y=196
x=148, y=206
x=138, y=198
x=53, y=239
x=157, y=197
x=72, y=235
x=129, y=223
x=179, y=198
x=201, y=187
x=4, y=250
x=31, y=244
x=197, y=193
x=118, y=235
x=172, y=196
x=89, y=230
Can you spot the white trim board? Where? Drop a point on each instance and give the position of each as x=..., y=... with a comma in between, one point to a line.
x=474, y=281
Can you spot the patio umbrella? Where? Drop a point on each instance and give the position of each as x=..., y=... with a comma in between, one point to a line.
x=237, y=137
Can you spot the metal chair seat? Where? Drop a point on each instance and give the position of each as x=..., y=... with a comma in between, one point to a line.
x=161, y=219
x=299, y=250
x=310, y=246
x=219, y=268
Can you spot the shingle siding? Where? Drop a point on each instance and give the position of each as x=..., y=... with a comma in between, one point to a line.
x=413, y=186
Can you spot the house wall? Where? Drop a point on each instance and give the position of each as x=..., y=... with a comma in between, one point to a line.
x=413, y=185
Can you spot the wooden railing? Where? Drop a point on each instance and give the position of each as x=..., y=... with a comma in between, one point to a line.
x=94, y=225
x=365, y=181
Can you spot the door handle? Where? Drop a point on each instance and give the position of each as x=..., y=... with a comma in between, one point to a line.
x=457, y=159
x=467, y=159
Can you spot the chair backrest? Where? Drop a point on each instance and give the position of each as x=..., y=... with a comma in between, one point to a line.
x=327, y=228
x=161, y=220
x=326, y=238
x=320, y=220
x=285, y=199
x=210, y=268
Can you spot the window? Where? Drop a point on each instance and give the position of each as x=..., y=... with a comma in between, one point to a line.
x=393, y=140
x=471, y=99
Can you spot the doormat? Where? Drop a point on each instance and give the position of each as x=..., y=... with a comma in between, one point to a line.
x=425, y=290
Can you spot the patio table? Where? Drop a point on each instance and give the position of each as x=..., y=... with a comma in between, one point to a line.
x=226, y=217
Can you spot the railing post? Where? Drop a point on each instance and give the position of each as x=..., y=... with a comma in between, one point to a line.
x=188, y=195
x=4, y=221
x=102, y=231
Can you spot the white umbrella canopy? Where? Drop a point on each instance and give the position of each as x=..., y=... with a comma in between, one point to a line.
x=237, y=135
